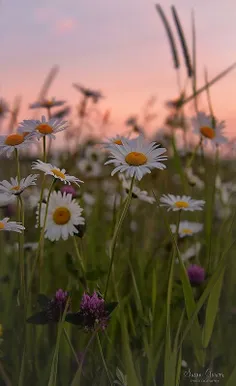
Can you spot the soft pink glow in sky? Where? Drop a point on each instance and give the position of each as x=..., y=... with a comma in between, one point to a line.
x=65, y=25
x=118, y=47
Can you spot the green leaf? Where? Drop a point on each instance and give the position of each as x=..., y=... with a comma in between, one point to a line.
x=210, y=286
x=211, y=311
x=75, y=318
x=109, y=307
x=38, y=318
x=42, y=300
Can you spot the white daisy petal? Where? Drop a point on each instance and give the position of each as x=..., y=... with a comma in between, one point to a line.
x=209, y=130
x=64, y=214
x=42, y=128
x=54, y=171
x=135, y=156
x=12, y=226
x=15, y=141
x=185, y=203
x=15, y=187
x=136, y=192
x=187, y=228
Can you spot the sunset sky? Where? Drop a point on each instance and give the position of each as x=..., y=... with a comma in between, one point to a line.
x=119, y=47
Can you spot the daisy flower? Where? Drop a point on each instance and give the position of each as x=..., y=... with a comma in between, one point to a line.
x=117, y=140
x=187, y=228
x=185, y=203
x=14, y=187
x=64, y=215
x=95, y=95
x=3, y=108
x=191, y=252
x=131, y=121
x=47, y=103
x=203, y=124
x=136, y=157
x=94, y=154
x=5, y=200
x=8, y=143
x=31, y=246
x=193, y=179
x=89, y=168
x=136, y=192
x=42, y=128
x=13, y=226
x=55, y=172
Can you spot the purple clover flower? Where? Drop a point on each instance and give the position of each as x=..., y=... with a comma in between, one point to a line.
x=52, y=309
x=196, y=274
x=57, y=305
x=68, y=189
x=94, y=313
x=92, y=308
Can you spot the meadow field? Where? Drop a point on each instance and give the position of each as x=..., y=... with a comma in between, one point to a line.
x=117, y=253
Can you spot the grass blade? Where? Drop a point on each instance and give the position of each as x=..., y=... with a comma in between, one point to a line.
x=213, y=81
x=170, y=36
x=183, y=42
x=130, y=368
x=212, y=282
x=190, y=304
x=232, y=379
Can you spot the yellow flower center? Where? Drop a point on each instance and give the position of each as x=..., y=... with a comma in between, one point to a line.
x=187, y=231
x=61, y=216
x=14, y=139
x=44, y=128
x=58, y=173
x=16, y=188
x=2, y=226
x=181, y=204
x=136, y=159
x=48, y=103
x=118, y=142
x=208, y=132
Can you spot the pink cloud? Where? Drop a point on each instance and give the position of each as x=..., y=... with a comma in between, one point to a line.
x=43, y=14
x=64, y=26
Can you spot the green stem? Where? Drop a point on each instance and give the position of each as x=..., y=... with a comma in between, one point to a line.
x=80, y=262
x=21, y=236
x=54, y=365
x=71, y=346
x=170, y=285
x=76, y=379
x=44, y=149
x=41, y=240
x=41, y=199
x=103, y=360
x=17, y=164
x=43, y=182
x=4, y=375
x=212, y=204
x=21, y=252
x=116, y=233
x=190, y=161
